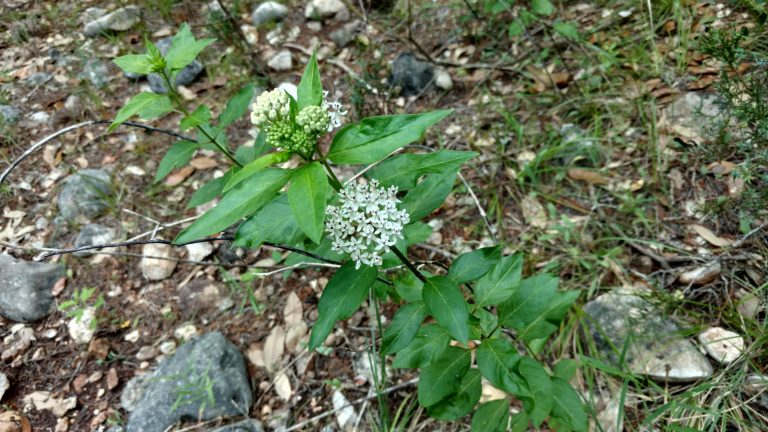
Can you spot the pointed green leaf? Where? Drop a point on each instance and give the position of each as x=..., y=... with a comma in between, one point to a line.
x=404, y=170
x=491, y=416
x=409, y=287
x=238, y=203
x=310, y=91
x=473, y=265
x=254, y=167
x=147, y=105
x=428, y=195
x=497, y=360
x=430, y=343
x=376, y=137
x=565, y=368
x=537, y=379
x=307, y=196
x=184, y=48
x=403, y=328
x=340, y=299
x=462, y=402
x=201, y=115
x=178, y=155
x=501, y=282
x=133, y=63
x=567, y=30
x=445, y=302
x=273, y=223
x=442, y=378
x=542, y=7
x=237, y=106
x=208, y=191
x=567, y=408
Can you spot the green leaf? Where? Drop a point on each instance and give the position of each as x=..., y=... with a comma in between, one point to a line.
x=208, y=191
x=204, y=131
x=567, y=30
x=273, y=223
x=546, y=324
x=565, y=369
x=497, y=360
x=376, y=137
x=310, y=91
x=567, y=409
x=491, y=416
x=442, y=378
x=462, y=402
x=430, y=343
x=147, y=105
x=184, y=48
x=307, y=195
x=340, y=299
x=515, y=29
x=403, y=328
x=538, y=381
x=236, y=107
x=428, y=195
x=256, y=166
x=201, y=115
x=473, y=265
x=240, y=202
x=501, y=282
x=404, y=170
x=542, y=7
x=409, y=287
x=134, y=63
x=178, y=155
x=445, y=302
x=246, y=154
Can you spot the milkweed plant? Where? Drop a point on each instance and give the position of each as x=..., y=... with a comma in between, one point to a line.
x=479, y=320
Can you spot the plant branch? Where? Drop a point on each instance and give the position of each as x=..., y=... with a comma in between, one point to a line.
x=334, y=180
x=90, y=123
x=408, y=263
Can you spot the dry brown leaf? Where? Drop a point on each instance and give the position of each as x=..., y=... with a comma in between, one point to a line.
x=710, y=237
x=721, y=167
x=591, y=177
x=491, y=393
x=202, y=163
x=13, y=421
x=256, y=356
x=293, y=311
x=534, y=212
x=294, y=336
x=274, y=347
x=179, y=176
x=283, y=386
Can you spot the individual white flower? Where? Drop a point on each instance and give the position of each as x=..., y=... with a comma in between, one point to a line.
x=270, y=106
x=366, y=222
x=335, y=111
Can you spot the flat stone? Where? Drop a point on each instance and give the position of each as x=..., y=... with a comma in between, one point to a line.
x=85, y=194
x=9, y=114
x=657, y=347
x=156, y=269
x=688, y=117
x=199, y=251
x=119, y=20
x=180, y=387
x=25, y=291
x=200, y=296
x=147, y=352
x=96, y=72
x=282, y=61
x=268, y=12
x=722, y=345
x=39, y=117
x=4, y=385
x=411, y=74
x=183, y=77
x=93, y=234
x=82, y=328
x=323, y=9
x=346, y=33
x=17, y=343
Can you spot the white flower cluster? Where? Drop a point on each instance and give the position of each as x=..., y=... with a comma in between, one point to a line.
x=270, y=106
x=366, y=222
x=335, y=111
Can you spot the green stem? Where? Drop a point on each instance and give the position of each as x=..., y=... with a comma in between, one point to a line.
x=177, y=101
x=407, y=263
x=380, y=381
x=334, y=180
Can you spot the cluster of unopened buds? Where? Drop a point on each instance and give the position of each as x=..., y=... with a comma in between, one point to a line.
x=366, y=222
x=272, y=113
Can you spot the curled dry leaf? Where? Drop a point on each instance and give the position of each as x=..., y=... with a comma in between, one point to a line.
x=293, y=310
x=710, y=237
x=283, y=386
x=274, y=348
x=256, y=356
x=534, y=212
x=591, y=177
x=179, y=176
x=701, y=275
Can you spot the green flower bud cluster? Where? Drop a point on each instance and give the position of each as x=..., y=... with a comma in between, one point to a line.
x=284, y=136
x=313, y=120
x=270, y=106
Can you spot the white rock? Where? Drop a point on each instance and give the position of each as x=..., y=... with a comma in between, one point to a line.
x=722, y=345
x=3, y=385
x=82, y=329
x=323, y=9
x=132, y=337
x=282, y=61
x=345, y=412
x=168, y=347
x=134, y=171
x=39, y=117
x=154, y=268
x=120, y=20
x=199, y=251
x=186, y=332
x=268, y=11
x=289, y=88
x=42, y=400
x=443, y=79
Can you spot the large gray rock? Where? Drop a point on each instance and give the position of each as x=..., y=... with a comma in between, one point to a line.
x=9, y=114
x=85, y=194
x=346, y=33
x=268, y=12
x=96, y=72
x=25, y=288
x=656, y=346
x=324, y=9
x=179, y=388
x=249, y=425
x=93, y=234
x=411, y=74
x=693, y=117
x=183, y=77
x=120, y=20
